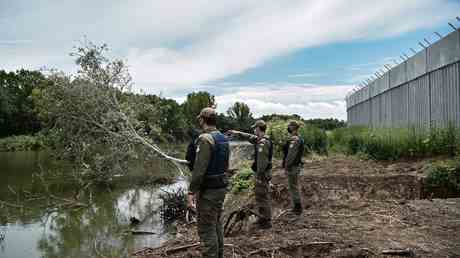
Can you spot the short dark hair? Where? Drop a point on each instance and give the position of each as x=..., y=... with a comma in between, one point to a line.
x=210, y=120
x=263, y=128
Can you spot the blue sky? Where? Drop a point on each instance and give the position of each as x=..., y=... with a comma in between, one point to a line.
x=294, y=56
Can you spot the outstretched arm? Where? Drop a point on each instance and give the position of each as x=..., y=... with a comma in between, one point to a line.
x=246, y=136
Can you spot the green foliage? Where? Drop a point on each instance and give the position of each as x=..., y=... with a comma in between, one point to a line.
x=17, y=109
x=22, y=143
x=194, y=103
x=325, y=124
x=393, y=144
x=167, y=121
x=315, y=138
x=276, y=117
x=241, y=115
x=243, y=180
x=444, y=175
x=225, y=123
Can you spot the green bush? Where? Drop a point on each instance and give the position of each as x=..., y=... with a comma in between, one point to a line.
x=243, y=180
x=22, y=143
x=445, y=175
x=315, y=138
x=392, y=144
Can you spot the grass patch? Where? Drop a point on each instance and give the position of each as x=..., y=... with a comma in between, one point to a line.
x=393, y=144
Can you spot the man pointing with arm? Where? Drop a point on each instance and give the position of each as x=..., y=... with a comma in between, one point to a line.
x=263, y=152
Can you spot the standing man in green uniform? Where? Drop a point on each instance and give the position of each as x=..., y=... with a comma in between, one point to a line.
x=292, y=163
x=208, y=185
x=263, y=152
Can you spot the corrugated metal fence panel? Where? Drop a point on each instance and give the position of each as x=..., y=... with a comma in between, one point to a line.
x=383, y=83
x=385, y=110
x=375, y=112
x=416, y=65
x=357, y=114
x=445, y=95
x=366, y=113
x=431, y=98
x=445, y=51
x=350, y=117
x=438, y=107
x=419, y=103
x=399, y=106
x=452, y=94
x=398, y=75
x=373, y=89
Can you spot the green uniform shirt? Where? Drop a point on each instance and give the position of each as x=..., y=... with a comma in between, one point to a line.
x=294, y=148
x=263, y=149
x=203, y=156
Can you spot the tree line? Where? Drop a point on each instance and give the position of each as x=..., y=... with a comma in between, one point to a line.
x=22, y=111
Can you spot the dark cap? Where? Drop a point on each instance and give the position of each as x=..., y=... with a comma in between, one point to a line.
x=259, y=123
x=208, y=113
x=294, y=123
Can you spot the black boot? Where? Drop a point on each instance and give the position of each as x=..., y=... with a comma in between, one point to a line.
x=297, y=208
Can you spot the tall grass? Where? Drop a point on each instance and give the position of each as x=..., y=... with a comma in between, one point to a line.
x=392, y=144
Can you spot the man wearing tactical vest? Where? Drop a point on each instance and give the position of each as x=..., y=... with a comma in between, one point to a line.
x=292, y=163
x=208, y=185
x=263, y=152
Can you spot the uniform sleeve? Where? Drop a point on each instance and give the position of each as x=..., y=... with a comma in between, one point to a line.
x=248, y=137
x=203, y=155
x=292, y=152
x=263, y=157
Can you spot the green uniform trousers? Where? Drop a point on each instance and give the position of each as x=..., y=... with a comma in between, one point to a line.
x=293, y=183
x=262, y=195
x=209, y=208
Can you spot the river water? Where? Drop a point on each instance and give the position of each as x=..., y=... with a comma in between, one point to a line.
x=97, y=230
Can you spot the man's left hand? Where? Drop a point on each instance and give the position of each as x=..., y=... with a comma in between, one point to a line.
x=191, y=201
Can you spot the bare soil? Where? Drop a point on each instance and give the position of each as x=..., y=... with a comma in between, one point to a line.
x=353, y=208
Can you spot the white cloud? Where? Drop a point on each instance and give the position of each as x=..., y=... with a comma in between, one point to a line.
x=174, y=44
x=308, y=101
x=274, y=29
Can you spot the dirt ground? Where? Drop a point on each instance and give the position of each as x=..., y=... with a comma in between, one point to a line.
x=354, y=208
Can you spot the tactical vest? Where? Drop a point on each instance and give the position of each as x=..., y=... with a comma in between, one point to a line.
x=219, y=156
x=298, y=158
x=256, y=156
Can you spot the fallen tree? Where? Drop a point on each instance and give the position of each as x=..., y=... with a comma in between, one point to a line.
x=92, y=117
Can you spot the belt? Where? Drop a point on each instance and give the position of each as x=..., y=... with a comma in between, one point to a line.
x=215, y=181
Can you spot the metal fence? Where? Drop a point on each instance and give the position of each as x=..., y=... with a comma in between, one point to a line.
x=421, y=92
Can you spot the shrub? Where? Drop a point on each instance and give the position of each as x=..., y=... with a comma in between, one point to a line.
x=315, y=139
x=243, y=180
x=445, y=175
